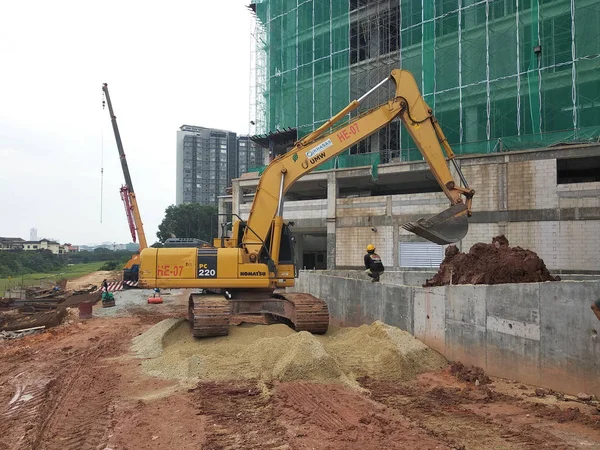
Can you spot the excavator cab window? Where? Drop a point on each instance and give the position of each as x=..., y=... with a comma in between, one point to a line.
x=286, y=253
x=240, y=236
x=286, y=250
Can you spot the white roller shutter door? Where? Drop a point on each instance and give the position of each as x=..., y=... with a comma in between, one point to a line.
x=421, y=254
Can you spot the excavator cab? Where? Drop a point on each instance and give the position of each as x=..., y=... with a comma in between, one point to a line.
x=287, y=257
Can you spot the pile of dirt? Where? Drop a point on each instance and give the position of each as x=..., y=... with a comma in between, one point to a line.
x=470, y=374
x=495, y=263
x=276, y=352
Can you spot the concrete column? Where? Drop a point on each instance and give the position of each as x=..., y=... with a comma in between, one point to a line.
x=237, y=197
x=503, y=193
x=332, y=195
x=221, y=219
x=388, y=206
x=503, y=185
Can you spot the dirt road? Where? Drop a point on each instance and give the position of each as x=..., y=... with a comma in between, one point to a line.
x=92, y=278
x=77, y=387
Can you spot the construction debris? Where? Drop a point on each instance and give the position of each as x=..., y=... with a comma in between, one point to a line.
x=17, y=334
x=88, y=289
x=15, y=321
x=495, y=263
x=40, y=293
x=38, y=299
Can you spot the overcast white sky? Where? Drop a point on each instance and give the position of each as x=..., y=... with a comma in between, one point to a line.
x=166, y=64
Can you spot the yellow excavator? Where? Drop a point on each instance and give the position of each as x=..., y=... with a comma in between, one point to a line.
x=240, y=277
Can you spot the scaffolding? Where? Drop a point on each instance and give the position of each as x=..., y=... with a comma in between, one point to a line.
x=499, y=74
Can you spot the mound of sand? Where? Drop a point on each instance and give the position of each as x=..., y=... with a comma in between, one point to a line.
x=276, y=352
x=150, y=343
x=382, y=351
x=495, y=263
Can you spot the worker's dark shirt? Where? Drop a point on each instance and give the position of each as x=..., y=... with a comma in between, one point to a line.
x=373, y=262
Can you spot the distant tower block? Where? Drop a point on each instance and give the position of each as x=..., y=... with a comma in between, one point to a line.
x=33, y=234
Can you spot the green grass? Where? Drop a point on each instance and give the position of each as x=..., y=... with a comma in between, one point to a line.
x=34, y=279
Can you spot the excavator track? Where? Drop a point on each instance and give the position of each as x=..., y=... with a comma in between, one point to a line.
x=309, y=313
x=212, y=314
x=209, y=315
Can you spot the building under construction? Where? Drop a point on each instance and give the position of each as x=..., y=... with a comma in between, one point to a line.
x=499, y=74
x=513, y=84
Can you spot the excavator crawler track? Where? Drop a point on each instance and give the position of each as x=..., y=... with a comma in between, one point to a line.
x=209, y=315
x=212, y=314
x=309, y=313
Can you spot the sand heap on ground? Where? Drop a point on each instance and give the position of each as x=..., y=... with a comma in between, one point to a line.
x=495, y=263
x=276, y=352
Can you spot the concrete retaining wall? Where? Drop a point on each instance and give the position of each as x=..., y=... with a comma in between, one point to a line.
x=419, y=277
x=400, y=277
x=544, y=334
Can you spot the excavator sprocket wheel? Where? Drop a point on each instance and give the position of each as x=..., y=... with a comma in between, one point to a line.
x=209, y=315
x=311, y=313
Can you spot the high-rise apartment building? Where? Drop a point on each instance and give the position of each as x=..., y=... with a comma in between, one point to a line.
x=208, y=159
x=250, y=154
x=206, y=163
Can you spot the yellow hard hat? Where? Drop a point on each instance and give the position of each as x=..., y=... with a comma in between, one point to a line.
x=370, y=247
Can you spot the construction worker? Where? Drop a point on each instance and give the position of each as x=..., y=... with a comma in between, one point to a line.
x=596, y=308
x=373, y=264
x=104, y=285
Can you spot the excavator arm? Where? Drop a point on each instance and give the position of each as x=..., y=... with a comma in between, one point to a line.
x=322, y=145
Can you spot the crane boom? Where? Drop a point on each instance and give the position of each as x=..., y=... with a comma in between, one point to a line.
x=127, y=192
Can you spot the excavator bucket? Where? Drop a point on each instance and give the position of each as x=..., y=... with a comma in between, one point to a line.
x=447, y=227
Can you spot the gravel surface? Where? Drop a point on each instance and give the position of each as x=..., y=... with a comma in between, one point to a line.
x=128, y=302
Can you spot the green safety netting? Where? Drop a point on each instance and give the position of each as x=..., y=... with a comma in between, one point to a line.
x=500, y=75
x=307, y=59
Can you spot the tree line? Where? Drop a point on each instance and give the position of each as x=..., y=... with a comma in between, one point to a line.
x=21, y=262
x=188, y=220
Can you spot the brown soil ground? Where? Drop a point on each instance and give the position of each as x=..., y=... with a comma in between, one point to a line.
x=77, y=387
x=495, y=263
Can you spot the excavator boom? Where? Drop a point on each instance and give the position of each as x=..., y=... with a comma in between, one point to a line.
x=319, y=147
